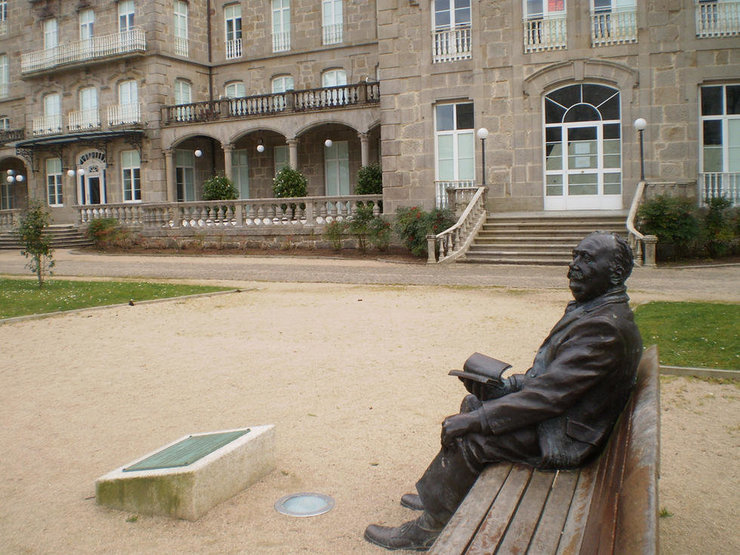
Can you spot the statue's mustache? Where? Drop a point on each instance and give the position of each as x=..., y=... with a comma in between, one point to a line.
x=575, y=274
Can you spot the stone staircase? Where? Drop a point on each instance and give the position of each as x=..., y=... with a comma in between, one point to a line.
x=62, y=237
x=542, y=238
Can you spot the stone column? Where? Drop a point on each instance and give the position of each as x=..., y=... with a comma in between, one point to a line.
x=169, y=170
x=293, y=153
x=228, y=170
x=364, y=149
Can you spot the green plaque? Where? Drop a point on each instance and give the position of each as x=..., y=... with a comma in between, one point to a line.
x=187, y=451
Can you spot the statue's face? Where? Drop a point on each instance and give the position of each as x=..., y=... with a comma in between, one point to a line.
x=589, y=273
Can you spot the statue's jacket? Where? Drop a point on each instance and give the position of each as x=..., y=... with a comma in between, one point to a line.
x=578, y=385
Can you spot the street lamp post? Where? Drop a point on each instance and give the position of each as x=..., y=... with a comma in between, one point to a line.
x=640, y=125
x=482, y=134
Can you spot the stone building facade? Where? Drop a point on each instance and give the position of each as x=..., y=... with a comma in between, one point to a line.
x=137, y=102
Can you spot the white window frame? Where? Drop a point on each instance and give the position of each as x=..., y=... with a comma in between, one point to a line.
x=4, y=75
x=88, y=116
x=331, y=79
x=52, y=113
x=726, y=181
x=451, y=41
x=717, y=18
x=131, y=176
x=332, y=23
x=454, y=12
x=54, y=189
x=180, y=28
x=240, y=171
x=281, y=157
x=235, y=89
x=126, y=15
x=4, y=123
x=185, y=174
x=233, y=31
x=545, y=29
x=463, y=166
x=87, y=24
x=280, y=25
x=183, y=97
x=51, y=33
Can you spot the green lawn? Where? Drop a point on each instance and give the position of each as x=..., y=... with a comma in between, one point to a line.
x=702, y=335
x=19, y=297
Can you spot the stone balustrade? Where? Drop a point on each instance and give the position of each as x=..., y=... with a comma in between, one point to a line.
x=453, y=242
x=9, y=219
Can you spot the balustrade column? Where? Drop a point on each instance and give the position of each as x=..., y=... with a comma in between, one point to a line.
x=364, y=149
x=293, y=153
x=228, y=170
x=169, y=170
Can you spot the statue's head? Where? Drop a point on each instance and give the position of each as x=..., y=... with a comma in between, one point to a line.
x=601, y=261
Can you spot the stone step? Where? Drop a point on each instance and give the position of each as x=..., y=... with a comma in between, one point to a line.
x=62, y=237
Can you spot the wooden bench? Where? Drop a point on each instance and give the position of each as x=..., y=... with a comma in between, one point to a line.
x=609, y=506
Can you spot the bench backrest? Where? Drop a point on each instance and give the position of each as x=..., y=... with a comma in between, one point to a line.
x=624, y=506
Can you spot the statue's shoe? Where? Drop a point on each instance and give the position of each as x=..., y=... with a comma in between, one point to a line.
x=410, y=535
x=412, y=501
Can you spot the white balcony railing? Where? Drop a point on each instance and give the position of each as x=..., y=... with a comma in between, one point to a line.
x=181, y=46
x=47, y=125
x=333, y=34
x=4, y=90
x=233, y=49
x=449, y=45
x=549, y=33
x=442, y=188
x=717, y=19
x=280, y=42
x=126, y=42
x=81, y=120
x=3, y=27
x=617, y=27
x=124, y=114
x=716, y=184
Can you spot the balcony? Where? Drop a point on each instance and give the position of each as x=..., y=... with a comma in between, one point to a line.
x=11, y=135
x=450, y=45
x=233, y=49
x=333, y=34
x=265, y=105
x=87, y=120
x=545, y=33
x=132, y=41
x=719, y=184
x=717, y=19
x=181, y=46
x=281, y=42
x=616, y=27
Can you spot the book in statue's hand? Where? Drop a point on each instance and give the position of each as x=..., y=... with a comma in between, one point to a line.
x=483, y=369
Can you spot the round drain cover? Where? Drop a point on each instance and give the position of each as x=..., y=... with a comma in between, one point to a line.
x=304, y=504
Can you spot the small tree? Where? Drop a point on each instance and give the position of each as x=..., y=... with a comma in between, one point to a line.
x=36, y=244
x=370, y=180
x=219, y=187
x=359, y=225
x=289, y=183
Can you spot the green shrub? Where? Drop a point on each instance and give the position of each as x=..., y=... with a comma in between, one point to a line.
x=672, y=220
x=359, y=224
x=105, y=232
x=36, y=243
x=289, y=183
x=335, y=233
x=370, y=180
x=219, y=187
x=718, y=233
x=380, y=234
x=414, y=224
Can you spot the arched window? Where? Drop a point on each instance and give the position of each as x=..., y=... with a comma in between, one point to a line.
x=583, y=148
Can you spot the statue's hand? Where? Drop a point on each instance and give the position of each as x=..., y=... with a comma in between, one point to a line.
x=487, y=392
x=459, y=425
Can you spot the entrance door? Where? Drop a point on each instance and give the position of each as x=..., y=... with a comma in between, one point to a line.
x=91, y=184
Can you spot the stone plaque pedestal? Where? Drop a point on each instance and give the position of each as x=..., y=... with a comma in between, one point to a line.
x=168, y=482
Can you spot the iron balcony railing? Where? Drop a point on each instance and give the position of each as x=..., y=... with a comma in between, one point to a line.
x=132, y=41
x=717, y=19
x=325, y=98
x=11, y=135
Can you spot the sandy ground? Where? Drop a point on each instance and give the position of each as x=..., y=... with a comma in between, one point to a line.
x=353, y=376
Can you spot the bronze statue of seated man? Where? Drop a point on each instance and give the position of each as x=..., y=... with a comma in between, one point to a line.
x=557, y=415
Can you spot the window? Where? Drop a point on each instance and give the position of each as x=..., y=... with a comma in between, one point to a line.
x=51, y=34
x=4, y=76
x=128, y=103
x=87, y=20
x=281, y=84
x=88, y=116
x=583, y=148
x=235, y=90
x=51, y=121
x=3, y=17
x=4, y=123
x=455, y=138
x=240, y=172
x=131, y=175
x=336, y=168
x=451, y=40
x=125, y=15
x=720, y=139
x=181, y=28
x=337, y=95
x=331, y=21
x=280, y=25
x=544, y=25
x=233, y=25
x=185, y=175
x=613, y=22
x=183, y=96
x=281, y=156
x=54, y=181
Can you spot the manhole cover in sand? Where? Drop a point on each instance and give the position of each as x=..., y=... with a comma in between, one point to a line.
x=304, y=504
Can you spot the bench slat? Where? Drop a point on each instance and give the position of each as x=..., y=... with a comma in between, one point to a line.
x=461, y=526
x=528, y=513
x=549, y=530
x=575, y=521
x=493, y=526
